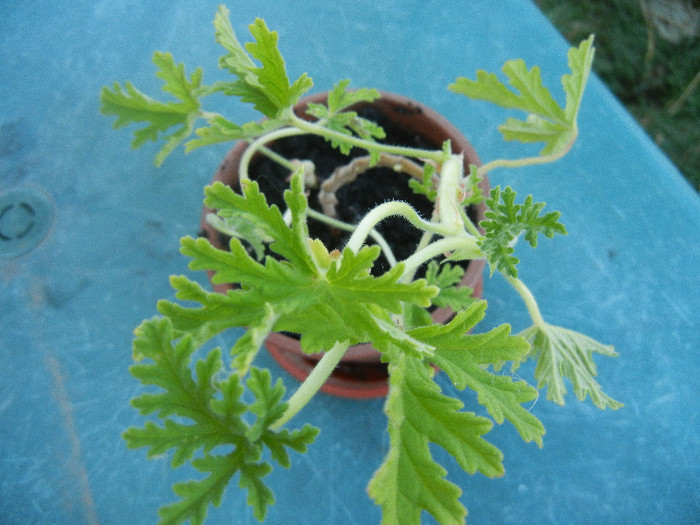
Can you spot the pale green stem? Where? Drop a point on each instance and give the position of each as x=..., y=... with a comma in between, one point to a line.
x=528, y=161
x=389, y=209
x=449, y=208
x=316, y=129
x=471, y=227
x=279, y=159
x=378, y=237
x=458, y=242
x=259, y=143
x=312, y=383
x=529, y=300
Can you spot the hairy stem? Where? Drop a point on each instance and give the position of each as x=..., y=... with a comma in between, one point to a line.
x=313, y=383
x=259, y=143
x=378, y=237
x=464, y=243
x=389, y=209
x=529, y=300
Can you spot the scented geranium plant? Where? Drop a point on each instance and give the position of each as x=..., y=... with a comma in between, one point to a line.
x=222, y=417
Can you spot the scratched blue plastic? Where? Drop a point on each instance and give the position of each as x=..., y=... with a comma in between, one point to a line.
x=627, y=274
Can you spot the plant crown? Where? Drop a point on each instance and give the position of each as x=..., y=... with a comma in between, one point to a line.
x=330, y=298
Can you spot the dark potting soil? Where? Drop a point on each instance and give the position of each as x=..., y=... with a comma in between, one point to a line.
x=373, y=187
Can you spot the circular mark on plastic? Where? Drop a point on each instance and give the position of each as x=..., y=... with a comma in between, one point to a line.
x=26, y=216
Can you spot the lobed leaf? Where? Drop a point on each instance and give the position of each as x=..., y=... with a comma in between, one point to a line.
x=337, y=117
x=563, y=353
x=547, y=121
x=463, y=357
x=266, y=86
x=131, y=106
x=447, y=278
x=198, y=495
x=215, y=411
x=580, y=62
x=505, y=221
x=410, y=480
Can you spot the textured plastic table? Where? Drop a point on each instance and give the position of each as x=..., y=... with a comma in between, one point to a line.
x=91, y=233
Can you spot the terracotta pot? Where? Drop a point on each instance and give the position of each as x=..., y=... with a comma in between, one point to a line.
x=360, y=374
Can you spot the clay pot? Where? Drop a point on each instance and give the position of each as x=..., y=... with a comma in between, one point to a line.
x=360, y=373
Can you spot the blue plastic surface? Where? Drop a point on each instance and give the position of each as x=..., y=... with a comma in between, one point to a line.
x=627, y=274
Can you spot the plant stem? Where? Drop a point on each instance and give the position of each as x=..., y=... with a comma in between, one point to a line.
x=378, y=237
x=457, y=242
x=527, y=161
x=389, y=209
x=529, y=300
x=258, y=143
x=313, y=383
x=368, y=145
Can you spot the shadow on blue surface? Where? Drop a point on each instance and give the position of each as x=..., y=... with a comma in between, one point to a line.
x=627, y=274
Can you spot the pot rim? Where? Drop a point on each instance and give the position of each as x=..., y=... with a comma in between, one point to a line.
x=409, y=114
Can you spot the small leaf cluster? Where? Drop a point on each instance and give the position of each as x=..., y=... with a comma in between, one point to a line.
x=505, y=221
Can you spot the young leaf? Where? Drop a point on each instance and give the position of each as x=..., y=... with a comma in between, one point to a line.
x=428, y=185
x=130, y=106
x=505, y=221
x=563, y=353
x=410, y=480
x=335, y=115
x=266, y=86
x=447, y=278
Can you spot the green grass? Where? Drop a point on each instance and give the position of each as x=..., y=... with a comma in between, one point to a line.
x=648, y=54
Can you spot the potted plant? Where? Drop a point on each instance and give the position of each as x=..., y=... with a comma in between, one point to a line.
x=344, y=188
x=221, y=417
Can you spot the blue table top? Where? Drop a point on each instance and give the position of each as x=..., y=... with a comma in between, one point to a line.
x=627, y=273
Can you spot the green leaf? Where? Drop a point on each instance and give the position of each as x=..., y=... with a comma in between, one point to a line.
x=410, y=480
x=221, y=129
x=266, y=86
x=131, y=106
x=546, y=120
x=268, y=406
x=198, y=495
x=215, y=412
x=505, y=221
x=340, y=302
x=428, y=184
x=247, y=346
x=464, y=357
x=447, y=278
x=337, y=117
x=580, y=62
x=252, y=208
x=563, y=353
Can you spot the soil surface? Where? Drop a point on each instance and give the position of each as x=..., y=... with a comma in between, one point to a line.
x=375, y=186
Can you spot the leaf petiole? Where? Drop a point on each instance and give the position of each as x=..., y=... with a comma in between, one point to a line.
x=312, y=383
x=528, y=161
x=465, y=244
x=528, y=299
x=319, y=129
